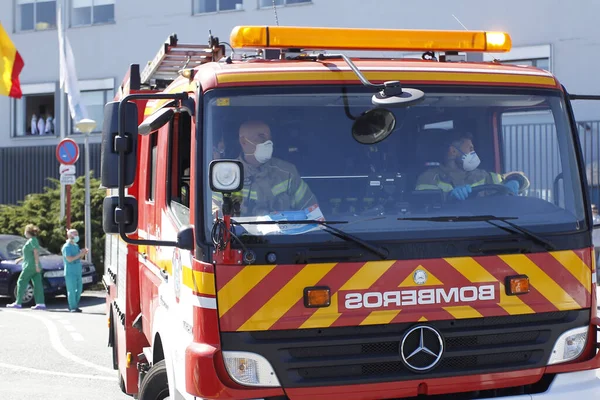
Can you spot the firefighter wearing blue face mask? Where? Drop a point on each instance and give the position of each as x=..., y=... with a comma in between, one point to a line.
x=459, y=172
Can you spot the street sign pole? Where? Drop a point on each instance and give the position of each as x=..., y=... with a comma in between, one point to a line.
x=88, y=217
x=67, y=154
x=68, y=210
x=86, y=126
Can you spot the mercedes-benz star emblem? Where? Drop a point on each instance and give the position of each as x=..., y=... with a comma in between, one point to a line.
x=420, y=277
x=421, y=348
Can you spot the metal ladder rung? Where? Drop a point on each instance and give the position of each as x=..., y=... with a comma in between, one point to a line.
x=172, y=57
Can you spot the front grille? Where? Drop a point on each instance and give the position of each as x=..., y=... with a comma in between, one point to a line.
x=371, y=354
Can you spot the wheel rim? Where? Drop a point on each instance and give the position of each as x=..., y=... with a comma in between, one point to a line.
x=27, y=296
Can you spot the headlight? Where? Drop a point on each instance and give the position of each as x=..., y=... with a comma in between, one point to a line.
x=569, y=345
x=54, y=274
x=250, y=369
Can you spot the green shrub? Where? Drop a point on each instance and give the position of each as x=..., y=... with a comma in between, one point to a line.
x=43, y=210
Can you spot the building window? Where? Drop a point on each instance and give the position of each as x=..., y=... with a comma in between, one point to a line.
x=269, y=3
x=35, y=15
x=212, y=6
x=94, y=101
x=92, y=12
x=543, y=63
x=34, y=112
x=537, y=56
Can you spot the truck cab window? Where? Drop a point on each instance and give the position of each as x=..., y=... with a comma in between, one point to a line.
x=153, y=160
x=178, y=189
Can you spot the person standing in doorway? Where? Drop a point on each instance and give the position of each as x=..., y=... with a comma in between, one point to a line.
x=31, y=270
x=72, y=256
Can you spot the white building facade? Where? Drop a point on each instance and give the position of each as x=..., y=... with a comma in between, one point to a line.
x=109, y=35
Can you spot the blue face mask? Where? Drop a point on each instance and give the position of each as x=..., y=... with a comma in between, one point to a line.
x=76, y=239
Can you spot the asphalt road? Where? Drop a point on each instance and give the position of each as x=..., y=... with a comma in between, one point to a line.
x=55, y=354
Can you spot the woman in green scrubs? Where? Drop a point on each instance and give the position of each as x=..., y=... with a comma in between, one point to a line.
x=32, y=270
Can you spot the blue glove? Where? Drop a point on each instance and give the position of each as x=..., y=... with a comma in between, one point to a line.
x=461, y=192
x=513, y=186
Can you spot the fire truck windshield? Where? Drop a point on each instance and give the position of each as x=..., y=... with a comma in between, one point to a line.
x=459, y=152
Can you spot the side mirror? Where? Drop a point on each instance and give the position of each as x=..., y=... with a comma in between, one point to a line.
x=185, y=238
x=110, y=155
x=226, y=176
x=373, y=126
x=111, y=215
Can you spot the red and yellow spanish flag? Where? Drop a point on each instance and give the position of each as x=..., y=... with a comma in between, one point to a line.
x=11, y=65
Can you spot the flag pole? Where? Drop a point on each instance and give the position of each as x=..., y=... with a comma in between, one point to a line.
x=62, y=118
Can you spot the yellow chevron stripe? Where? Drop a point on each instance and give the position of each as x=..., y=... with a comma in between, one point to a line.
x=200, y=282
x=323, y=317
x=471, y=269
x=575, y=266
x=240, y=285
x=276, y=76
x=364, y=278
x=475, y=273
x=289, y=295
x=463, y=312
x=541, y=281
x=380, y=317
x=513, y=304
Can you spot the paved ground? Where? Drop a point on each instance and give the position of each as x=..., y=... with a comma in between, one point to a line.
x=57, y=355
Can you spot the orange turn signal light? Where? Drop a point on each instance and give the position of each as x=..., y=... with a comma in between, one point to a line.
x=128, y=360
x=518, y=284
x=317, y=297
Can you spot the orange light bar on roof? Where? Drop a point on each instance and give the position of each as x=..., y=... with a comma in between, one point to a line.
x=306, y=38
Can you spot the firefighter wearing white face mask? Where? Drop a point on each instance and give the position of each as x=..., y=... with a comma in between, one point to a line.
x=458, y=174
x=270, y=184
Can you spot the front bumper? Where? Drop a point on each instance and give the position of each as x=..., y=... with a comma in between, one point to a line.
x=57, y=285
x=582, y=385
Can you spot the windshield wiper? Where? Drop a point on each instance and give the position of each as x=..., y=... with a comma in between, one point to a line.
x=489, y=219
x=327, y=228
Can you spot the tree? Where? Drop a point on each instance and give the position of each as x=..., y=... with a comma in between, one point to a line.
x=43, y=210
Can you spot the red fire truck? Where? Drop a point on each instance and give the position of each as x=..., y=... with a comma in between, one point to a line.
x=287, y=221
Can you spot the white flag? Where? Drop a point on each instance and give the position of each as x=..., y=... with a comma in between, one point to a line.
x=68, y=75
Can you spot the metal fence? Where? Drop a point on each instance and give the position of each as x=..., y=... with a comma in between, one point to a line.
x=534, y=150
x=531, y=148
x=25, y=170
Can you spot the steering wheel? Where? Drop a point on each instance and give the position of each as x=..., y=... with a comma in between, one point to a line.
x=500, y=190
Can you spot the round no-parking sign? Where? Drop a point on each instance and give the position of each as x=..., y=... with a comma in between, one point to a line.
x=67, y=152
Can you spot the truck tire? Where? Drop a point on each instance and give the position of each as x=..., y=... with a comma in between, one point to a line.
x=155, y=385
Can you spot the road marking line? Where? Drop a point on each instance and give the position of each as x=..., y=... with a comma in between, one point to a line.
x=77, y=337
x=57, y=344
x=66, y=374
x=70, y=328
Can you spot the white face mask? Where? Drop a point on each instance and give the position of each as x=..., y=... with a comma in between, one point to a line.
x=263, y=151
x=470, y=161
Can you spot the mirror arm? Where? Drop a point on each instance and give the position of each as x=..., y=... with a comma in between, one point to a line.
x=584, y=97
x=391, y=88
x=120, y=212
